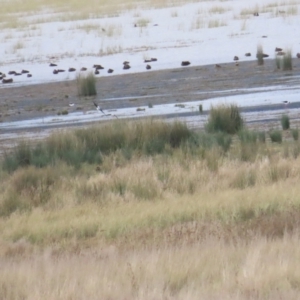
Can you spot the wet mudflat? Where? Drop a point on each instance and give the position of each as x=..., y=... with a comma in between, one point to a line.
x=184, y=84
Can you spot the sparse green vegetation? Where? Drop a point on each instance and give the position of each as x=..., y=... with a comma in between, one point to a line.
x=110, y=50
x=198, y=23
x=17, y=46
x=285, y=122
x=249, y=11
x=142, y=22
x=218, y=10
x=216, y=23
x=112, y=30
x=87, y=27
x=295, y=134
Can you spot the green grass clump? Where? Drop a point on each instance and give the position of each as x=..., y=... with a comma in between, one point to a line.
x=276, y=136
x=200, y=108
x=223, y=140
x=260, y=55
x=89, y=145
x=249, y=147
x=247, y=136
x=286, y=62
x=86, y=85
x=63, y=112
x=285, y=122
x=225, y=118
x=201, y=142
x=21, y=157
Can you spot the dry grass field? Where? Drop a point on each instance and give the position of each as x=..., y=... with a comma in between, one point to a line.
x=146, y=209
x=195, y=217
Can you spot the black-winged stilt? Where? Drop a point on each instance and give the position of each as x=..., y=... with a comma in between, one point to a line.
x=99, y=108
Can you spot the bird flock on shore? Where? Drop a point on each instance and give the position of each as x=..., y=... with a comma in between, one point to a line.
x=97, y=68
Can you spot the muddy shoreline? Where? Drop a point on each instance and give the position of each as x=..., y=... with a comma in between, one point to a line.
x=179, y=85
x=176, y=86
x=131, y=90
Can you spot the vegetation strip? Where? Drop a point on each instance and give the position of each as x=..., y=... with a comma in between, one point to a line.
x=151, y=193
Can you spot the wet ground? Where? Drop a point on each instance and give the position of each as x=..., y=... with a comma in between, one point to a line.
x=131, y=90
x=180, y=85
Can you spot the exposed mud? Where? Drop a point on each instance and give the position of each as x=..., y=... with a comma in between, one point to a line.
x=131, y=90
x=180, y=85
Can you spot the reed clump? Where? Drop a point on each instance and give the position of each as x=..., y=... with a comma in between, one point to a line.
x=225, y=118
x=86, y=85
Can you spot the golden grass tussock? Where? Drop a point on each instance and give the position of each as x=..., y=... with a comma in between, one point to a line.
x=221, y=241
x=68, y=217
x=211, y=269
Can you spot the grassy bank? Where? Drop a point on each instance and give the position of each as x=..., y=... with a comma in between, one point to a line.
x=164, y=213
x=141, y=167
x=222, y=244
